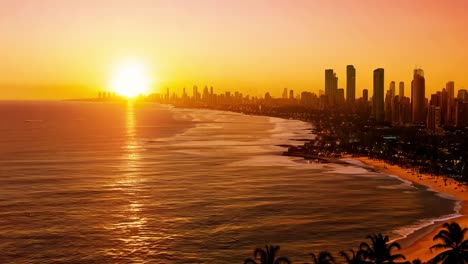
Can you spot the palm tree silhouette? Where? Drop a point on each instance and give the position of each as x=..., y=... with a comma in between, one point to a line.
x=324, y=257
x=267, y=256
x=355, y=258
x=452, y=240
x=380, y=250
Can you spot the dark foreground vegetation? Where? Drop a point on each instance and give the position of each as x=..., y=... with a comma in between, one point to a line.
x=449, y=242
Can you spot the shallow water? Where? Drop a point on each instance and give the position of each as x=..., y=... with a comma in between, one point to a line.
x=129, y=183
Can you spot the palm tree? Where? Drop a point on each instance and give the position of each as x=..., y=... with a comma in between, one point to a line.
x=380, y=250
x=267, y=256
x=356, y=257
x=452, y=240
x=324, y=257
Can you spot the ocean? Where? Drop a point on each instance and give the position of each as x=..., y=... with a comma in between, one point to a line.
x=84, y=182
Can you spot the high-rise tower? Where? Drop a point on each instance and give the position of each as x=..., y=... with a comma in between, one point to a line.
x=401, y=90
x=418, y=91
x=331, y=86
x=450, y=104
x=350, y=84
x=378, y=98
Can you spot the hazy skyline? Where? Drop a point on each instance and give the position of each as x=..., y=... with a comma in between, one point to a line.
x=55, y=49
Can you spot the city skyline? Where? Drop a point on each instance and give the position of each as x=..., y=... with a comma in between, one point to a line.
x=236, y=45
x=208, y=131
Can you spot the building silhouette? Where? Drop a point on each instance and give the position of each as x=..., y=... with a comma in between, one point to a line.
x=195, y=95
x=461, y=114
x=350, y=84
x=331, y=86
x=392, y=89
x=378, y=97
x=365, y=95
x=396, y=110
x=449, y=105
x=339, y=98
x=418, y=90
x=401, y=89
x=462, y=95
x=291, y=94
x=285, y=93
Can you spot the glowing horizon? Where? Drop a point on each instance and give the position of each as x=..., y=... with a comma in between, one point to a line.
x=130, y=79
x=55, y=49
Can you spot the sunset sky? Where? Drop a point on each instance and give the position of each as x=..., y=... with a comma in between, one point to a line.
x=56, y=49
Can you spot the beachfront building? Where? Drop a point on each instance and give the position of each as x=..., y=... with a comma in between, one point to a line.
x=378, y=97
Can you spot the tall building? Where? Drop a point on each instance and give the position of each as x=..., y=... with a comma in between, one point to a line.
x=392, y=89
x=461, y=114
x=388, y=103
x=396, y=110
x=195, y=93
x=433, y=117
x=449, y=106
x=350, y=84
x=291, y=94
x=206, y=93
x=405, y=110
x=339, y=98
x=462, y=95
x=401, y=90
x=418, y=91
x=331, y=86
x=444, y=108
x=285, y=93
x=378, y=97
x=365, y=95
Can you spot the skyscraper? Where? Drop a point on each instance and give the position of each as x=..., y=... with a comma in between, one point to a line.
x=339, y=98
x=285, y=93
x=291, y=94
x=365, y=95
x=195, y=92
x=331, y=86
x=378, y=97
x=418, y=91
x=350, y=84
x=450, y=104
x=392, y=89
x=443, y=103
x=206, y=93
x=462, y=95
x=401, y=90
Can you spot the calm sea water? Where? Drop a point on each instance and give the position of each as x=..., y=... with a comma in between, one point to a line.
x=133, y=183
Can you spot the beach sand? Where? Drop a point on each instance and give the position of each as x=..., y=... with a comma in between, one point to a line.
x=417, y=244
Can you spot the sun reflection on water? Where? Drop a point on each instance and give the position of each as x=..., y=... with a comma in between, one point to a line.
x=131, y=229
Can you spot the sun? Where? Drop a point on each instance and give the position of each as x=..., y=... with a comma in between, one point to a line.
x=130, y=79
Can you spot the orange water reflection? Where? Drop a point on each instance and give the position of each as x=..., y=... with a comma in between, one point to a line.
x=131, y=229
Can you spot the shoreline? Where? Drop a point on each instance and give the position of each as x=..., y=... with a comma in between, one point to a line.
x=416, y=244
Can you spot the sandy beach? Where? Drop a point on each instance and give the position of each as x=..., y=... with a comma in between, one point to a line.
x=419, y=246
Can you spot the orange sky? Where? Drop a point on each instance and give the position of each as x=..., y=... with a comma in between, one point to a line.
x=54, y=49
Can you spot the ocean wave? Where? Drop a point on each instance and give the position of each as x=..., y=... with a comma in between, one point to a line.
x=210, y=124
x=356, y=162
x=276, y=160
x=405, y=232
x=342, y=169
